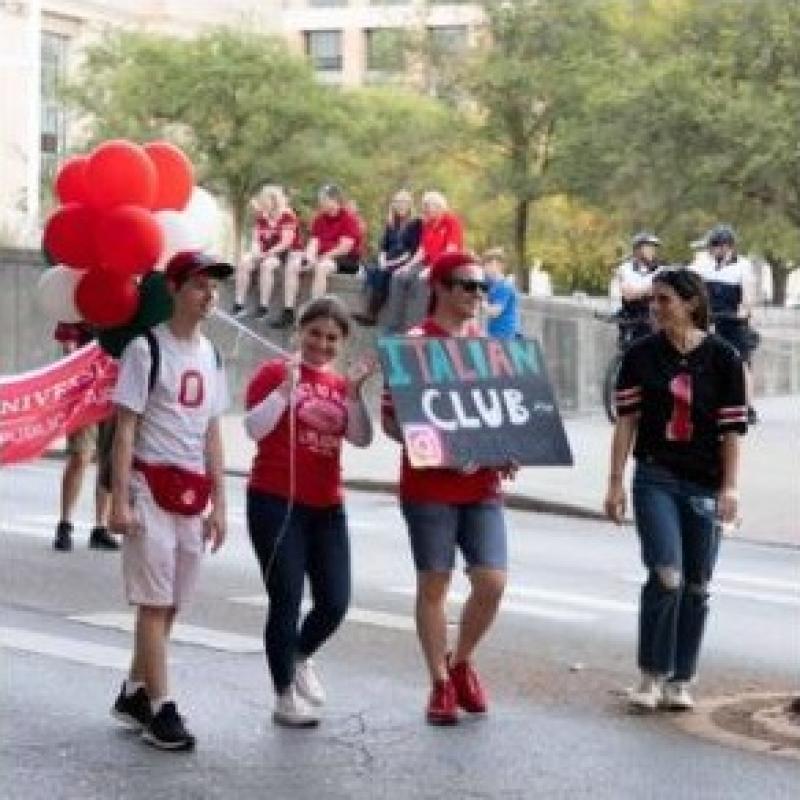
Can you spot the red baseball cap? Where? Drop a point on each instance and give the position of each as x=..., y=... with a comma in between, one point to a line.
x=187, y=263
x=448, y=263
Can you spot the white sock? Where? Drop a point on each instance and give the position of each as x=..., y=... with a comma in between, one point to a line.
x=155, y=705
x=130, y=687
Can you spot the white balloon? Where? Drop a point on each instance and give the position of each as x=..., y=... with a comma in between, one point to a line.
x=56, y=293
x=180, y=233
x=204, y=216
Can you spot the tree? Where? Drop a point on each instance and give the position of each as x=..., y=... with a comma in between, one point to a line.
x=525, y=80
x=245, y=108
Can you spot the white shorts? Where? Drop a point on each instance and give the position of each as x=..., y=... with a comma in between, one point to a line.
x=160, y=565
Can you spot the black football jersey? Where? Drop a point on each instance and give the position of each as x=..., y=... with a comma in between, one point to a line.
x=685, y=402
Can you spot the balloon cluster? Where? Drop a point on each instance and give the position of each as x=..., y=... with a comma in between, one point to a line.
x=124, y=211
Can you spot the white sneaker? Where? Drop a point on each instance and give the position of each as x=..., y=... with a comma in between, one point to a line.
x=307, y=683
x=676, y=697
x=648, y=696
x=294, y=711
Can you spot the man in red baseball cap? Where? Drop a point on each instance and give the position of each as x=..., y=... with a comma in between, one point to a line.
x=168, y=494
x=187, y=263
x=450, y=509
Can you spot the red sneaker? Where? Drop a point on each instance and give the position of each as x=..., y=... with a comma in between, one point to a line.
x=442, y=704
x=470, y=695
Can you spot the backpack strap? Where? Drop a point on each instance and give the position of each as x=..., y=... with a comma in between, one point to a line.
x=155, y=359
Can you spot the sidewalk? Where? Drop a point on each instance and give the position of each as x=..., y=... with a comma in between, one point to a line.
x=770, y=472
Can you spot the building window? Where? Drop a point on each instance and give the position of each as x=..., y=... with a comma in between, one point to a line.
x=385, y=50
x=53, y=142
x=449, y=38
x=324, y=49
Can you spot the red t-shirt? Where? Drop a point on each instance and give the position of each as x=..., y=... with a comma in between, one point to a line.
x=328, y=229
x=269, y=230
x=440, y=235
x=320, y=424
x=442, y=485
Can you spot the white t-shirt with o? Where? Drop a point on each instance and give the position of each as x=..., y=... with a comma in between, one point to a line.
x=189, y=392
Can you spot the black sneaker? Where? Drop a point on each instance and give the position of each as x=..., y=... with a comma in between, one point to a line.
x=752, y=416
x=101, y=539
x=166, y=730
x=285, y=320
x=132, y=710
x=239, y=311
x=262, y=312
x=63, y=540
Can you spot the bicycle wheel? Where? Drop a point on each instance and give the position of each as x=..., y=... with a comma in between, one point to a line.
x=610, y=387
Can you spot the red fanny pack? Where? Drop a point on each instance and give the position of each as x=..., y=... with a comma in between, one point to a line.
x=177, y=490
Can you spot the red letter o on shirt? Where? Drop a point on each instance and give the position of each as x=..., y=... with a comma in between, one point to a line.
x=191, y=392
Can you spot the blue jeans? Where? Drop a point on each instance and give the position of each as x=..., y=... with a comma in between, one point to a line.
x=315, y=543
x=679, y=535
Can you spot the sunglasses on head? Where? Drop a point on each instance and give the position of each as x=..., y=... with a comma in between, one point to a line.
x=470, y=285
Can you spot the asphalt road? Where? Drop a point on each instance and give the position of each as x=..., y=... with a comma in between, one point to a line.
x=556, y=663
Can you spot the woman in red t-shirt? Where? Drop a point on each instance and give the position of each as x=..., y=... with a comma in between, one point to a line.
x=450, y=509
x=299, y=410
x=277, y=242
x=442, y=232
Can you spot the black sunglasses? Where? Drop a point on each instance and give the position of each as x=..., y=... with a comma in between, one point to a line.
x=467, y=284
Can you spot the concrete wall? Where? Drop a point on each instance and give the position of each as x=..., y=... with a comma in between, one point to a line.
x=577, y=346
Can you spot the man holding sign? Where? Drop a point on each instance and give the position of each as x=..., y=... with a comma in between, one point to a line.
x=447, y=507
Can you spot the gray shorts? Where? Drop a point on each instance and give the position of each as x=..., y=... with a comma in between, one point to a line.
x=436, y=529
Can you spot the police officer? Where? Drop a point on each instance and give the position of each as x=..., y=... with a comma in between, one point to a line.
x=634, y=281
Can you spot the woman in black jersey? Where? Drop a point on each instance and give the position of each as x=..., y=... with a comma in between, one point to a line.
x=680, y=397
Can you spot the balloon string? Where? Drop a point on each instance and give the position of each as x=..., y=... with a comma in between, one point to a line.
x=242, y=328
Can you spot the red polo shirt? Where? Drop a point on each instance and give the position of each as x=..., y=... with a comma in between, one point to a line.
x=328, y=229
x=269, y=231
x=440, y=235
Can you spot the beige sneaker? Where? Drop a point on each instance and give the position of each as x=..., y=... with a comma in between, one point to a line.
x=293, y=711
x=676, y=696
x=648, y=696
x=307, y=683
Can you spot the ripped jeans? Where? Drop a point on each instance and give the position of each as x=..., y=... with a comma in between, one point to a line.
x=677, y=527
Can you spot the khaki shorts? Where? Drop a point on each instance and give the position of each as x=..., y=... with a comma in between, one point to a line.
x=160, y=565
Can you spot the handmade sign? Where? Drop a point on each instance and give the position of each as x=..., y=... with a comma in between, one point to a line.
x=481, y=401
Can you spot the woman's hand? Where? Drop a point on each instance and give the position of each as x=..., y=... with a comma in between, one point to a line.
x=123, y=520
x=614, y=504
x=728, y=505
x=360, y=371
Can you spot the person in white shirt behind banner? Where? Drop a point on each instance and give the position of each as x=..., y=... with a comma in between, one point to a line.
x=167, y=471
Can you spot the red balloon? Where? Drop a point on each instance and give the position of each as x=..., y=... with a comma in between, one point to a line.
x=69, y=236
x=128, y=240
x=175, y=175
x=121, y=173
x=70, y=184
x=106, y=299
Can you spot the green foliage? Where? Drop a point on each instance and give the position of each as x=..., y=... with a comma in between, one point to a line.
x=568, y=126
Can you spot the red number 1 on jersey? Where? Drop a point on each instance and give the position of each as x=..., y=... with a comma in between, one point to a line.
x=679, y=427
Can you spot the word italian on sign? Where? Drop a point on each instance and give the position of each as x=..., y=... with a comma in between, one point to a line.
x=473, y=401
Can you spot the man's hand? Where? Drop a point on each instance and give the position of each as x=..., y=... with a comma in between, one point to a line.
x=215, y=528
x=123, y=520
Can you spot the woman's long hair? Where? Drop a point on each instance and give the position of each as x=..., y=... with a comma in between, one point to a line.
x=688, y=285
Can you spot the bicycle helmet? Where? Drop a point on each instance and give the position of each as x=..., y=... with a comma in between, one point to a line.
x=721, y=234
x=645, y=237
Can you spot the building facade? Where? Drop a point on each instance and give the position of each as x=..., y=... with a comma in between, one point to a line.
x=348, y=42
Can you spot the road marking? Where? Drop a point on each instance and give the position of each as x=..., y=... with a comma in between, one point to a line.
x=365, y=616
x=767, y=583
x=723, y=588
x=77, y=650
x=522, y=608
x=185, y=634
x=580, y=600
